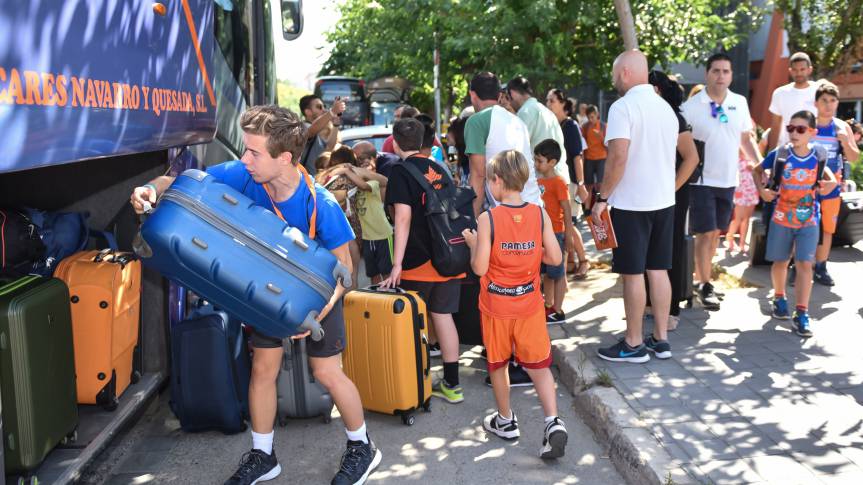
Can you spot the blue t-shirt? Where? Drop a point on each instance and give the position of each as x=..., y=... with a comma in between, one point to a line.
x=332, y=226
x=826, y=137
x=797, y=205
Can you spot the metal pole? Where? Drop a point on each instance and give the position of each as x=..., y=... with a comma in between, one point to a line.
x=437, y=87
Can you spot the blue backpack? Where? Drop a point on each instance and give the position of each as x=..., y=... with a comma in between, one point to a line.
x=63, y=234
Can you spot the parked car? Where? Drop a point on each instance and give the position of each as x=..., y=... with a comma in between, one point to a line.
x=374, y=133
x=350, y=89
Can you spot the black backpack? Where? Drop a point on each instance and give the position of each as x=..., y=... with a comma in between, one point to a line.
x=21, y=248
x=449, y=211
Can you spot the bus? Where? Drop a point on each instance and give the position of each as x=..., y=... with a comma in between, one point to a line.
x=99, y=97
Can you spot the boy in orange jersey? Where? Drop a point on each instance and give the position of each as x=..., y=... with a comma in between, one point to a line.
x=510, y=243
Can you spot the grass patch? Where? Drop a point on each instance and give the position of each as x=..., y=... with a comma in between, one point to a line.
x=603, y=378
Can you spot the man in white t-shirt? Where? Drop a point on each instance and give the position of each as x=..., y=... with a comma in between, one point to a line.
x=639, y=184
x=721, y=126
x=491, y=130
x=795, y=96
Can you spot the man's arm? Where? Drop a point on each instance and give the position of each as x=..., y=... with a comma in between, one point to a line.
x=750, y=148
x=331, y=114
x=775, y=127
x=828, y=181
x=581, y=190
x=686, y=148
x=846, y=139
x=343, y=254
x=477, y=180
x=758, y=177
x=146, y=195
x=400, y=242
x=369, y=175
x=615, y=164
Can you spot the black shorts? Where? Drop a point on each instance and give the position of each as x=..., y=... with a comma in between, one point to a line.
x=710, y=208
x=644, y=240
x=332, y=344
x=593, y=170
x=378, y=257
x=440, y=297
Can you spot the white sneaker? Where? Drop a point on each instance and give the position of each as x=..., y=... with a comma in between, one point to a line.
x=508, y=431
x=554, y=440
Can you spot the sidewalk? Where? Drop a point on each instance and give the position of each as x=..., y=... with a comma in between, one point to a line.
x=744, y=400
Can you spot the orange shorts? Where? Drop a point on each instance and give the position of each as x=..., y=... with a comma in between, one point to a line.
x=528, y=337
x=830, y=214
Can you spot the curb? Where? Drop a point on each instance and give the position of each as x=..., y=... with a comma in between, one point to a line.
x=633, y=449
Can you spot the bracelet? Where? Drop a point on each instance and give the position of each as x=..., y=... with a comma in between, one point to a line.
x=153, y=186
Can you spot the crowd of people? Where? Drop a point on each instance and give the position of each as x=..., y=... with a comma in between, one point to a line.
x=664, y=165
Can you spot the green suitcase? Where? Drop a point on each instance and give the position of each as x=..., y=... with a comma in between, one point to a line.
x=37, y=370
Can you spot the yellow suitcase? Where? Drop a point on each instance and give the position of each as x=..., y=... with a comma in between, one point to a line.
x=387, y=354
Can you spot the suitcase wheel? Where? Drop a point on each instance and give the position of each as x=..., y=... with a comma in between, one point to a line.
x=408, y=419
x=427, y=406
x=328, y=418
x=31, y=480
x=70, y=438
x=136, y=377
x=107, y=397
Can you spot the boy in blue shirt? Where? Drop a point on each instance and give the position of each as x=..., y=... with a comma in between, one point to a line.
x=796, y=219
x=269, y=173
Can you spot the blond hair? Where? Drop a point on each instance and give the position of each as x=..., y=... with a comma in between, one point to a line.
x=284, y=130
x=511, y=167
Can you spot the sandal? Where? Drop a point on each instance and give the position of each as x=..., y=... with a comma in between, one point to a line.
x=583, y=268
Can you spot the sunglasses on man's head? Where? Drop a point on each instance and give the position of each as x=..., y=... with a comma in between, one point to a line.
x=716, y=111
x=798, y=128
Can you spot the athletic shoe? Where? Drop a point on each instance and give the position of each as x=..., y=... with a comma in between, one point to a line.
x=483, y=354
x=801, y=324
x=821, y=276
x=622, y=352
x=660, y=348
x=553, y=440
x=508, y=431
x=358, y=461
x=780, y=309
x=255, y=467
x=452, y=395
x=518, y=377
x=434, y=350
x=555, y=317
x=707, y=297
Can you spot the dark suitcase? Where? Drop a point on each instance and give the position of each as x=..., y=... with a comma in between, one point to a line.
x=686, y=272
x=758, y=243
x=849, y=225
x=299, y=394
x=210, y=371
x=467, y=318
x=240, y=256
x=37, y=370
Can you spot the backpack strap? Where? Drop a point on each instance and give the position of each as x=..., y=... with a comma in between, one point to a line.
x=311, y=185
x=778, y=166
x=430, y=192
x=821, y=156
x=491, y=225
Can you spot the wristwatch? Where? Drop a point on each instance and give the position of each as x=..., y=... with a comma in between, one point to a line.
x=600, y=198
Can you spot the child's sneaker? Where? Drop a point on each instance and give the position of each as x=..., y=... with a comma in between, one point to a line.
x=780, y=309
x=821, y=276
x=555, y=317
x=452, y=395
x=801, y=324
x=508, y=431
x=554, y=440
x=434, y=350
x=660, y=348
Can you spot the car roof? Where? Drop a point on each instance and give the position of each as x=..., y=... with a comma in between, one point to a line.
x=338, y=78
x=366, y=132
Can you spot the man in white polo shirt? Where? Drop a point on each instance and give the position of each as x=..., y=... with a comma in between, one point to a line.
x=639, y=184
x=721, y=126
x=795, y=96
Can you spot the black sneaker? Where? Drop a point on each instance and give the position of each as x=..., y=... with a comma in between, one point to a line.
x=554, y=440
x=358, y=462
x=255, y=467
x=508, y=431
x=821, y=276
x=622, y=352
x=708, y=297
x=434, y=350
x=660, y=348
x=483, y=354
x=518, y=377
x=556, y=317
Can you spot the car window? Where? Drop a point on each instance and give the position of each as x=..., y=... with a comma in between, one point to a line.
x=348, y=91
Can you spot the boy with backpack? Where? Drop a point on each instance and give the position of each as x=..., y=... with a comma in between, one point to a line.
x=414, y=245
x=798, y=175
x=555, y=196
x=510, y=242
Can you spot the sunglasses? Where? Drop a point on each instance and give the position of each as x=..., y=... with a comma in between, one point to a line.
x=798, y=128
x=716, y=111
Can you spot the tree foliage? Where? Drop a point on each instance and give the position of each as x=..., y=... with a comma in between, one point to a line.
x=831, y=32
x=552, y=42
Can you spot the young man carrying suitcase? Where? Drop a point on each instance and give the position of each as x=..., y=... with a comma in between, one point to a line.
x=269, y=174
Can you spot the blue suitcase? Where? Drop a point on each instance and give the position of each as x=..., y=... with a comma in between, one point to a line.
x=210, y=372
x=240, y=256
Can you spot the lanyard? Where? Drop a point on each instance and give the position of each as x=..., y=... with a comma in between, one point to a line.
x=308, y=179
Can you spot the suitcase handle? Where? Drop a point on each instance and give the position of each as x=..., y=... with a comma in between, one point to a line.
x=394, y=289
x=312, y=325
x=427, y=370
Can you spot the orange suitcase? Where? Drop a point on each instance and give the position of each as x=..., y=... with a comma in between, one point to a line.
x=105, y=291
x=387, y=353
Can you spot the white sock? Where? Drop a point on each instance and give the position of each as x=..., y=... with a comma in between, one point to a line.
x=502, y=420
x=358, y=435
x=263, y=442
x=549, y=419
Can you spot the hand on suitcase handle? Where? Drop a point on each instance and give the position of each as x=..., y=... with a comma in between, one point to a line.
x=312, y=327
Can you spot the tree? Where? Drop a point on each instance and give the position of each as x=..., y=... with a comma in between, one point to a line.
x=554, y=43
x=830, y=32
x=289, y=95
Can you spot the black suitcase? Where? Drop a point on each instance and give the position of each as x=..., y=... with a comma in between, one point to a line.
x=467, y=319
x=299, y=394
x=686, y=272
x=849, y=225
